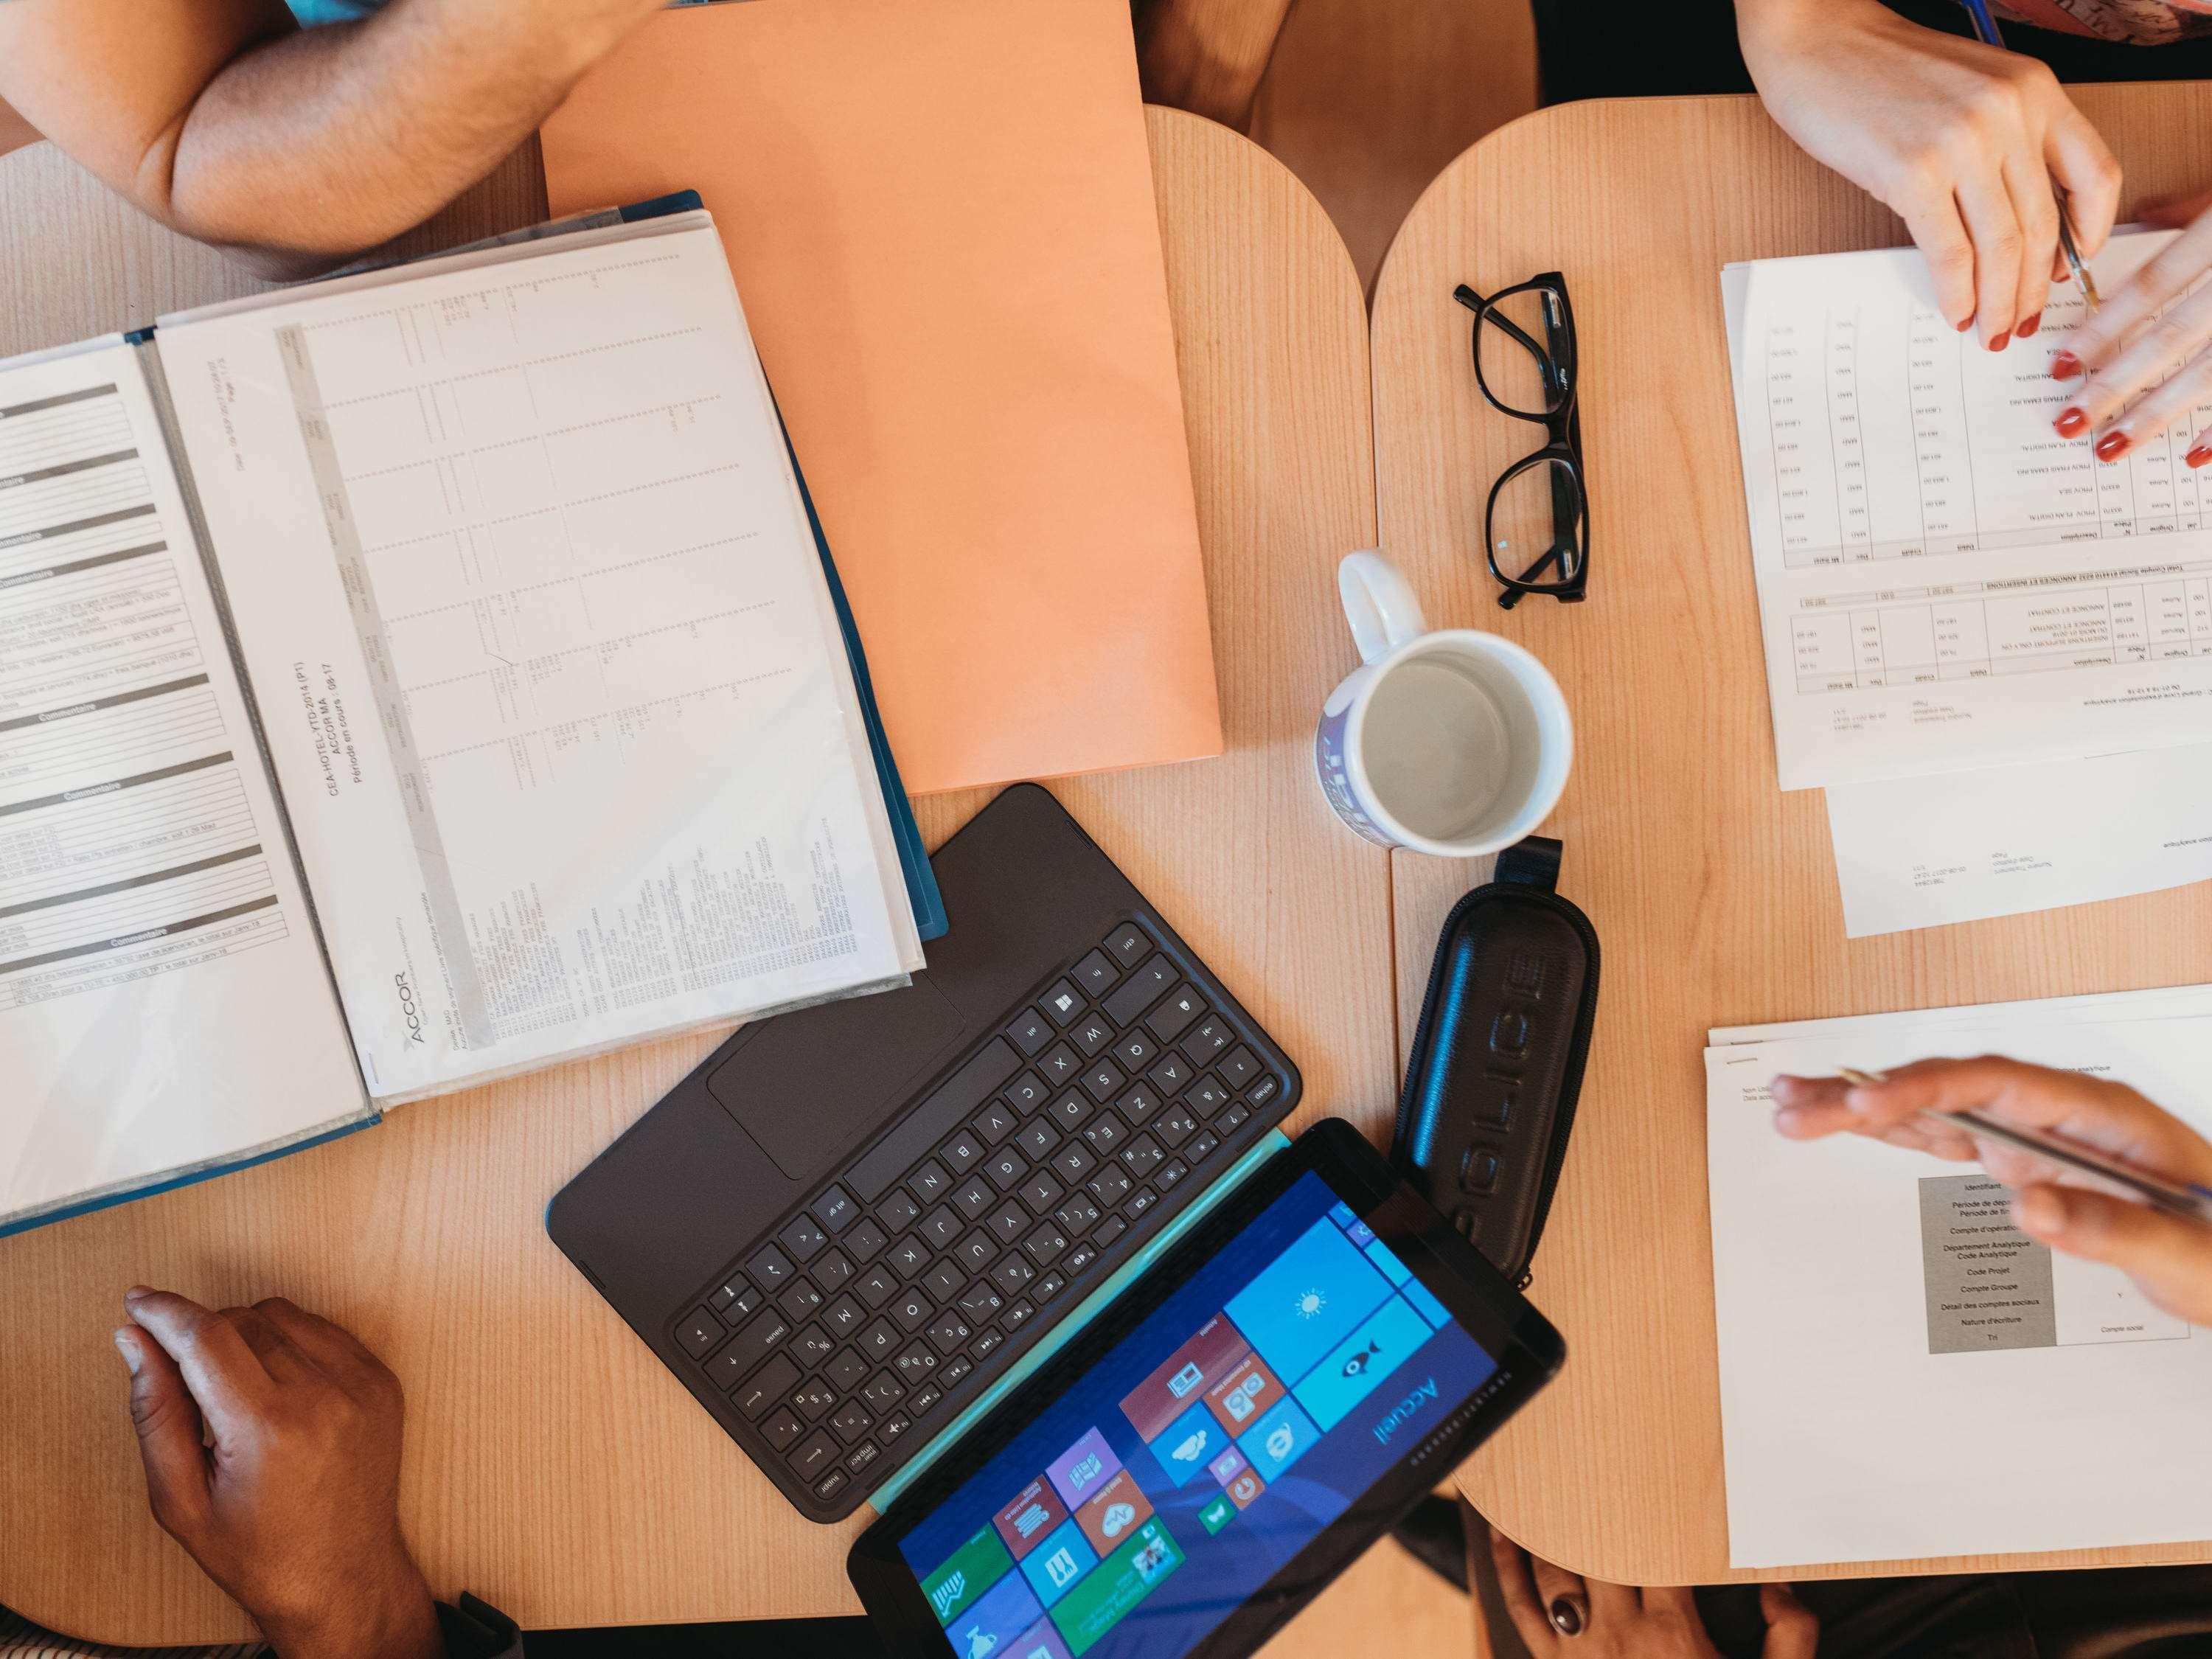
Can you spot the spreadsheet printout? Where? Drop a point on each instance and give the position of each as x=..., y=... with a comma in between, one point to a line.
x=1882, y=1324
x=163, y=1001
x=1944, y=582
x=553, y=682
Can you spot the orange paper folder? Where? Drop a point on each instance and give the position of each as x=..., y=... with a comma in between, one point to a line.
x=940, y=217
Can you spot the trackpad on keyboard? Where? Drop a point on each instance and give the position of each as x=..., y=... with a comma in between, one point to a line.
x=812, y=1082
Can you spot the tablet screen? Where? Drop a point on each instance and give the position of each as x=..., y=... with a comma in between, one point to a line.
x=1204, y=1451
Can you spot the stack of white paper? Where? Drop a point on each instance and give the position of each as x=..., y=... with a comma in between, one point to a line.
x=1903, y=1373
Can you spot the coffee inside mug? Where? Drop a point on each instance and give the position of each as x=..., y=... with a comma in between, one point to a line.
x=1449, y=743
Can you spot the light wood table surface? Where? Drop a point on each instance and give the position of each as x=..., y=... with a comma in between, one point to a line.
x=553, y=1466
x=1714, y=895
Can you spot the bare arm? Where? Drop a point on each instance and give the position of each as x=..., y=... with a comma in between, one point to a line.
x=296, y=148
x=1208, y=56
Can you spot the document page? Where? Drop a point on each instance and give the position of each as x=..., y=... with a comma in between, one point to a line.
x=1904, y=1373
x=1926, y=852
x=553, y=681
x=1944, y=582
x=163, y=1002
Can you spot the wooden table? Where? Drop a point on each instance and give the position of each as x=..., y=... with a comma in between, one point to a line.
x=553, y=1466
x=1713, y=893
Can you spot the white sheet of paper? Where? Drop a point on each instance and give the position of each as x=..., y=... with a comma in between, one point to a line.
x=1926, y=852
x=1944, y=583
x=163, y=1002
x=552, y=678
x=1902, y=1373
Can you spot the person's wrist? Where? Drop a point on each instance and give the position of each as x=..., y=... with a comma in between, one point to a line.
x=1765, y=27
x=385, y=1613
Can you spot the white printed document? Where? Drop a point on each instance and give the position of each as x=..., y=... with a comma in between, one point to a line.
x=1904, y=1374
x=1925, y=852
x=1945, y=584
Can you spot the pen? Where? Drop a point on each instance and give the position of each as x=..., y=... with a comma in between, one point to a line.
x=2179, y=1197
x=1986, y=31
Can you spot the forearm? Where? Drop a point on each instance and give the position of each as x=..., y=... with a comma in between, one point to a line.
x=317, y=146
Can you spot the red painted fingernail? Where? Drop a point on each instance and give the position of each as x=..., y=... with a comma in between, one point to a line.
x=2064, y=366
x=2003, y=340
x=2031, y=325
x=2071, y=422
x=2112, y=446
x=1968, y=324
x=2199, y=455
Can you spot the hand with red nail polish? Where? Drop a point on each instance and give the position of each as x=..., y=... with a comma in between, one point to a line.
x=2120, y=358
x=2071, y=422
x=1946, y=132
x=2064, y=366
x=2112, y=445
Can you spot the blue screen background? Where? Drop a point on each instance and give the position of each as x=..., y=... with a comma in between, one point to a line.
x=1344, y=1357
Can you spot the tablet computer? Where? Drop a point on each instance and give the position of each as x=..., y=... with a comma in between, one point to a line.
x=1231, y=1430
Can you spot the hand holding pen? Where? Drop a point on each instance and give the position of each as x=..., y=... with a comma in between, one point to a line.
x=2057, y=1203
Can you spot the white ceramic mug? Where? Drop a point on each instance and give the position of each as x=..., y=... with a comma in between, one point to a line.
x=1453, y=742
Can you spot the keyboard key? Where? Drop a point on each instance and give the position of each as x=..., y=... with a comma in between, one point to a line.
x=1199, y=1148
x=1048, y=1287
x=962, y=1152
x=915, y=1365
x=952, y=1102
x=1095, y=973
x=1027, y=1093
x=831, y=1484
x=1140, y=991
x=1041, y=1192
x=1105, y=1237
x=912, y=1311
x=1175, y=1015
x=818, y=1454
x=929, y=1182
x=845, y=1317
x=1110, y=1187
x=892, y=1427
x=1102, y=1078
x=1262, y=1091
x=847, y=1370
x=995, y=1122
x=1207, y=1098
x=926, y=1400
x=1042, y=1135
x=1062, y=1004
x=1046, y=1244
x=1007, y=1166
x=1103, y=1136
x=1079, y=1258
x=803, y=1238
x=1031, y=1032
x=732, y=1291
x=940, y=1227
x=799, y=1301
x=1134, y=1051
x=1240, y=1068
x=1169, y=1174
x=954, y=1371
x=1062, y=1066
x=975, y=1198
x=1012, y=1275
x=813, y=1346
x=947, y=1331
x=1074, y=1161
x=1018, y=1315
x=909, y=1257
x=766, y=1386
x=831, y=1271
x=1069, y=1110
x=979, y=1303
x=1092, y=1034
x=899, y=1213
x=813, y=1399
x=851, y=1421
x=1139, y=1202
x=882, y=1392
x=860, y=1456
x=876, y=1286
x=836, y=1210
x=1233, y=1119
x=1175, y=1126
x=880, y=1340
x=867, y=1241
x=1077, y=1215
x=1009, y=1222
x=1206, y=1039
x=772, y=1268
x=977, y=1252
x=700, y=1333
x=942, y=1280
x=980, y=1348
x=1139, y=1103
x=1128, y=944
x=734, y=1358
x=782, y=1427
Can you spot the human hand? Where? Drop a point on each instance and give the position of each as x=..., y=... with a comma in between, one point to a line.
x=2168, y=1257
x=1563, y=1615
x=1960, y=139
x=2144, y=351
x=272, y=1444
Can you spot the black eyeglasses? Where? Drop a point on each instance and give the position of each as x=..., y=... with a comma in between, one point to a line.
x=1534, y=382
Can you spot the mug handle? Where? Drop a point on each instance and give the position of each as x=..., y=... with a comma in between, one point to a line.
x=1377, y=603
